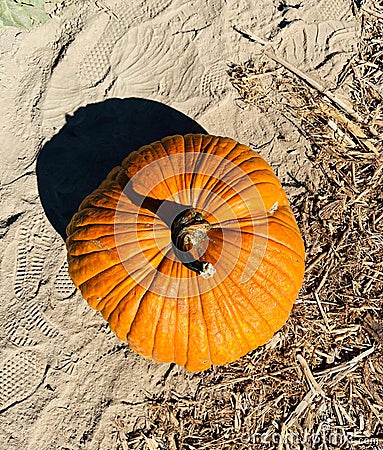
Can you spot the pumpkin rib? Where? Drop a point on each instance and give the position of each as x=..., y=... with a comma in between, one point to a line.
x=119, y=234
x=147, y=295
x=265, y=238
x=137, y=211
x=232, y=335
x=112, y=177
x=181, y=336
x=116, y=180
x=159, y=236
x=112, y=190
x=300, y=262
x=126, y=205
x=255, y=308
x=90, y=219
x=240, y=156
x=90, y=233
x=163, y=349
x=128, y=160
x=181, y=346
x=98, y=298
x=111, y=208
x=133, y=275
x=116, y=203
x=84, y=238
x=115, y=252
x=80, y=263
x=286, y=219
x=253, y=157
x=201, y=162
x=238, y=205
x=240, y=151
x=169, y=150
x=277, y=220
x=119, y=245
x=192, y=142
x=234, y=207
x=264, y=286
x=274, y=221
x=233, y=313
x=214, y=320
x=83, y=284
x=110, y=305
x=214, y=211
x=156, y=326
x=115, y=322
x=192, y=188
x=215, y=192
x=162, y=310
x=227, y=224
x=197, y=176
x=282, y=244
x=196, y=147
x=188, y=337
x=190, y=156
x=105, y=301
x=211, y=181
x=159, y=146
x=208, y=142
x=181, y=328
x=119, y=262
x=200, y=150
x=189, y=162
x=165, y=176
x=214, y=332
x=203, y=335
x=229, y=276
x=113, y=291
x=266, y=259
x=224, y=151
x=286, y=307
x=110, y=183
x=261, y=286
x=199, y=141
x=238, y=180
x=223, y=158
x=270, y=223
x=117, y=313
x=270, y=180
x=285, y=294
x=275, y=185
x=93, y=246
x=273, y=239
x=189, y=363
x=240, y=313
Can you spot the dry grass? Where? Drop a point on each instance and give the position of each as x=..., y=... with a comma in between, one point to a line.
x=318, y=384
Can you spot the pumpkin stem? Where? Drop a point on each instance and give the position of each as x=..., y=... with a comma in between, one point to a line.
x=190, y=240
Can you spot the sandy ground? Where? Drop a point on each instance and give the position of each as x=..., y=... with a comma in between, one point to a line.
x=64, y=376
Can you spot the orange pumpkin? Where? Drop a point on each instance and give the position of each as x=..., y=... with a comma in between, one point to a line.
x=190, y=250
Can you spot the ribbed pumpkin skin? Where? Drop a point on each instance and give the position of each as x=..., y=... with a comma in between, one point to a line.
x=186, y=319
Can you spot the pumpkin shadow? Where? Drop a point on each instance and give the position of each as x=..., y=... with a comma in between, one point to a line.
x=93, y=141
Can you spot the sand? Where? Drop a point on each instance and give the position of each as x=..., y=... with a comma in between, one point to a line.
x=78, y=93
